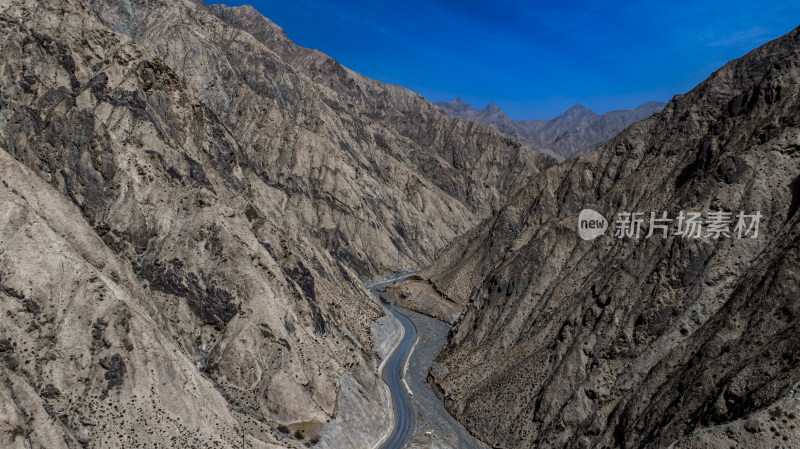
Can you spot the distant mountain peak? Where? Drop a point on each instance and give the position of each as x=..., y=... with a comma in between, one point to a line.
x=456, y=108
x=578, y=107
x=577, y=111
x=492, y=106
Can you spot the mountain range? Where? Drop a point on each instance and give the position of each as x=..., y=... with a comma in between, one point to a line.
x=578, y=130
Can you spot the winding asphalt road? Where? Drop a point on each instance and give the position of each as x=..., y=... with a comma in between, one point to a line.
x=423, y=337
x=393, y=376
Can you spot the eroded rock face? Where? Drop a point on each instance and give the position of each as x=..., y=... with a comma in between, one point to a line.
x=189, y=215
x=369, y=170
x=642, y=342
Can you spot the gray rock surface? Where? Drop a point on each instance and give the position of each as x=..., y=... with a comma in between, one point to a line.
x=577, y=131
x=649, y=342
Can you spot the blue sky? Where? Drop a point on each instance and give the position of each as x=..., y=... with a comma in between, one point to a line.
x=535, y=59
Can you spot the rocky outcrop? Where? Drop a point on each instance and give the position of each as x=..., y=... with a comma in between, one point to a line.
x=577, y=131
x=422, y=297
x=642, y=342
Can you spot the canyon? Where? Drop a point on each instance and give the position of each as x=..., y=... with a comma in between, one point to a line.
x=194, y=209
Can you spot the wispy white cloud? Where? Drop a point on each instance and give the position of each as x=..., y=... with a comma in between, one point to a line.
x=748, y=37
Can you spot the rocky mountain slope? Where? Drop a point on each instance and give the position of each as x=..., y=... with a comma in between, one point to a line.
x=578, y=130
x=371, y=170
x=189, y=213
x=643, y=342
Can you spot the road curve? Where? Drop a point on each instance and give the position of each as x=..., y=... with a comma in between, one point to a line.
x=393, y=376
x=396, y=278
